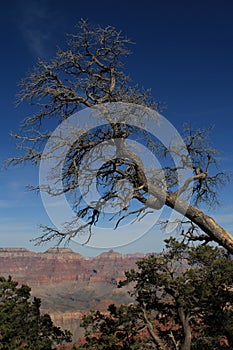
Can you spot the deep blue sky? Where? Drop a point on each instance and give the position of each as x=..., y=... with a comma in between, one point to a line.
x=183, y=51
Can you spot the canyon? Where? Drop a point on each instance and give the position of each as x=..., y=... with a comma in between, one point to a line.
x=69, y=284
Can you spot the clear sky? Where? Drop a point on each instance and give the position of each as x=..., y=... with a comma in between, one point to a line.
x=183, y=51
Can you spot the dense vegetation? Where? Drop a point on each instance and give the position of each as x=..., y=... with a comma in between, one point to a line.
x=183, y=300
x=22, y=326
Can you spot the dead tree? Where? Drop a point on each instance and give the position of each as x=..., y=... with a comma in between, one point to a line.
x=90, y=73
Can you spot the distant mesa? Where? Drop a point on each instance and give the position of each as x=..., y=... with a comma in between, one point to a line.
x=13, y=250
x=110, y=254
x=59, y=250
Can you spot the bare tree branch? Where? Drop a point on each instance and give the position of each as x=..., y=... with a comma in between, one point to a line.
x=90, y=73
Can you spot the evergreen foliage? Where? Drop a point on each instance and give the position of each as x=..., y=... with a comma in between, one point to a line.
x=183, y=300
x=22, y=326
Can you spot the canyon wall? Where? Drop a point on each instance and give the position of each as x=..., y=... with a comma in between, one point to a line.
x=68, y=283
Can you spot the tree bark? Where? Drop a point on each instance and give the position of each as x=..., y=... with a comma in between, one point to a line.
x=198, y=217
x=153, y=335
x=187, y=330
